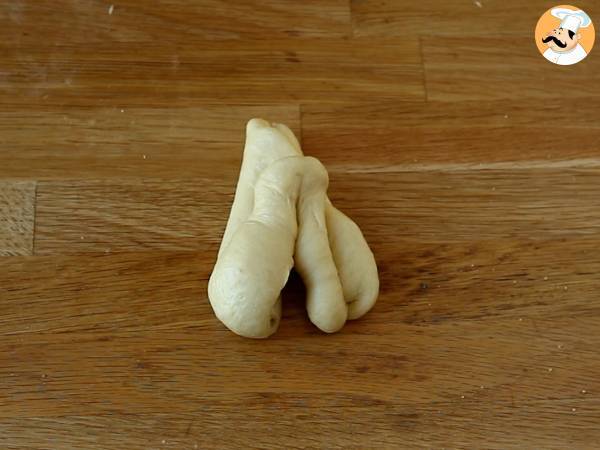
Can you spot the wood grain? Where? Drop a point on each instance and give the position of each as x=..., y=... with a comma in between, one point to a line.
x=421, y=285
x=103, y=142
x=489, y=68
x=301, y=430
x=434, y=206
x=471, y=164
x=17, y=215
x=73, y=293
x=278, y=71
x=137, y=21
x=471, y=205
x=409, y=374
x=109, y=216
x=468, y=18
x=453, y=135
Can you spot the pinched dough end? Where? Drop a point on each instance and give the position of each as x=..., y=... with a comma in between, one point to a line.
x=247, y=312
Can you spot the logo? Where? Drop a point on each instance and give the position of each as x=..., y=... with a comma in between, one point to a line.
x=565, y=35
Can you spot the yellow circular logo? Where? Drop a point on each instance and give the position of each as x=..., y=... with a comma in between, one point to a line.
x=565, y=35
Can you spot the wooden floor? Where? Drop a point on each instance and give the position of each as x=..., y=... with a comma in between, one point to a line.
x=471, y=164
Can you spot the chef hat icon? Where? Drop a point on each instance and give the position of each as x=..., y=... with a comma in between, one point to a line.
x=572, y=19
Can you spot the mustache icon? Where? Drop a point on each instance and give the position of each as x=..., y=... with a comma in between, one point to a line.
x=556, y=41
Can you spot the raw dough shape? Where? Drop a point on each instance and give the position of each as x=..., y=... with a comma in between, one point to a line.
x=281, y=218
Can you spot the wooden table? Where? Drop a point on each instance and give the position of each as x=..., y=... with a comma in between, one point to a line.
x=471, y=164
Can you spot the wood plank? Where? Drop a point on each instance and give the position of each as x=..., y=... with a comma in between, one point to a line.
x=422, y=284
x=232, y=72
x=471, y=205
x=467, y=18
x=488, y=68
x=124, y=215
x=17, y=216
x=105, y=293
x=103, y=142
x=139, y=326
x=453, y=135
x=354, y=426
x=136, y=21
x=435, y=206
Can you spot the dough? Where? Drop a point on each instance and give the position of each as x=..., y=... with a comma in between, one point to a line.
x=281, y=217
